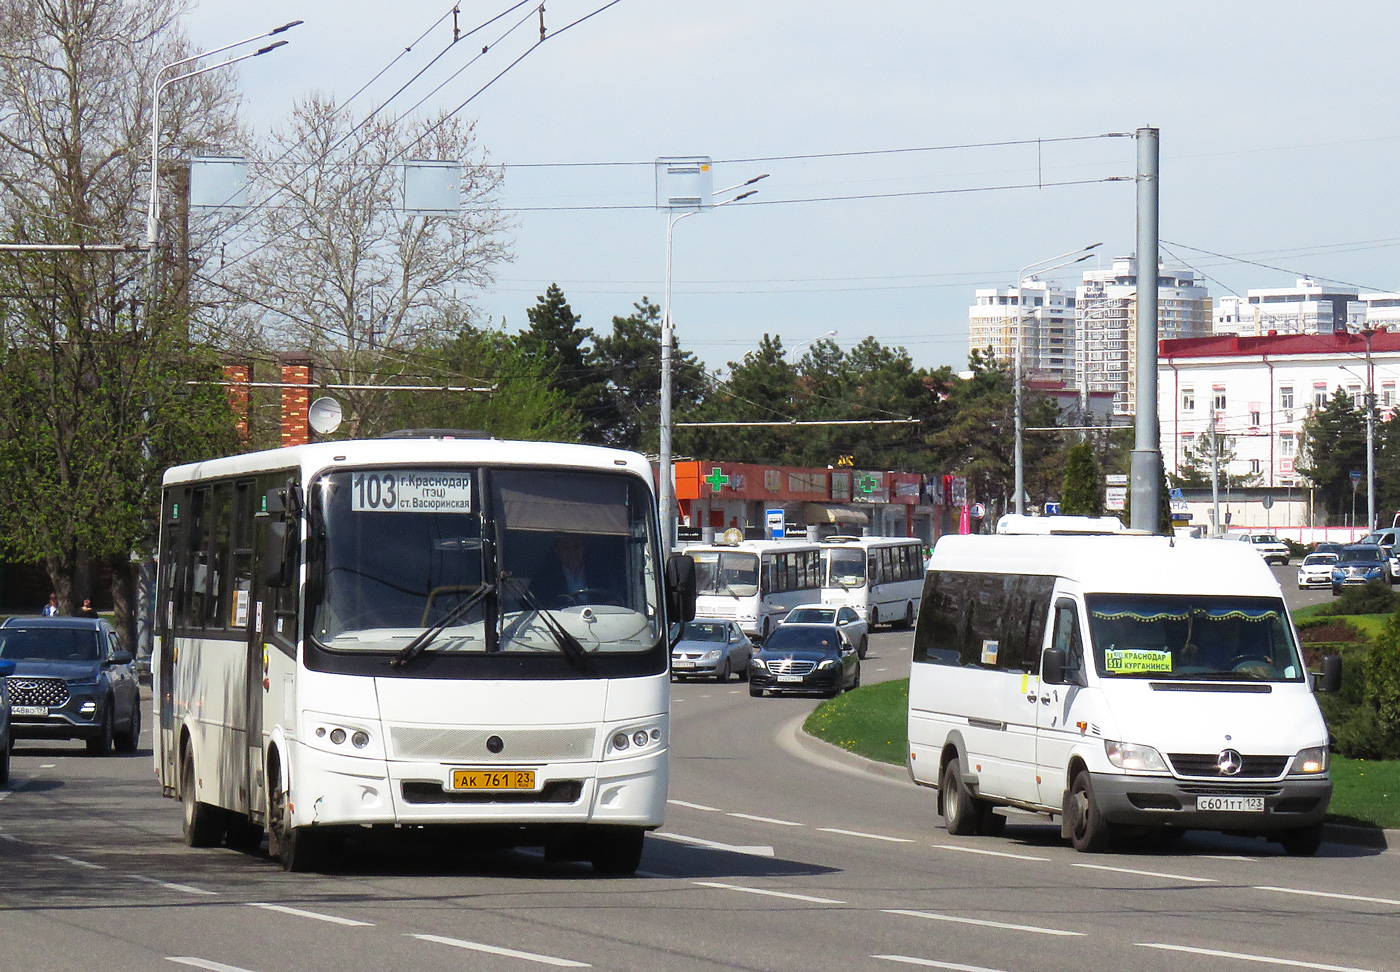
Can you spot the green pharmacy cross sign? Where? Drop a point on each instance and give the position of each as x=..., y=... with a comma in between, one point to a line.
x=716, y=479
x=867, y=483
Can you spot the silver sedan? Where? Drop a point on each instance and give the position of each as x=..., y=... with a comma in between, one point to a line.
x=710, y=648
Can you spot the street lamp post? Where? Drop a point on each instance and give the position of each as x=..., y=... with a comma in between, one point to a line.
x=665, y=500
x=1020, y=498
x=802, y=344
x=1369, y=332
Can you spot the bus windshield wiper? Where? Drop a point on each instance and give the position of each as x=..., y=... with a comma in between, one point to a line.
x=420, y=643
x=568, y=645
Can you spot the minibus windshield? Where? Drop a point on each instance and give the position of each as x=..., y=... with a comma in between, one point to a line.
x=734, y=574
x=1217, y=638
x=845, y=568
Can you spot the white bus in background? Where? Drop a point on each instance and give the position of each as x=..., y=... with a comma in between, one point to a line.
x=755, y=582
x=881, y=577
x=383, y=634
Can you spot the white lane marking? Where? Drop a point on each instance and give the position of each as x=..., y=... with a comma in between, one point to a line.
x=1328, y=894
x=1246, y=957
x=755, y=850
x=200, y=963
x=879, y=670
x=989, y=853
x=857, y=833
x=734, y=691
x=693, y=806
x=77, y=863
x=11, y=838
x=985, y=924
x=333, y=919
x=47, y=765
x=769, y=820
x=771, y=894
x=1155, y=874
x=1230, y=857
x=186, y=888
x=931, y=964
x=507, y=952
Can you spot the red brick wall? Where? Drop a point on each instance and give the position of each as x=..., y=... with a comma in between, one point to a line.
x=295, y=401
x=236, y=378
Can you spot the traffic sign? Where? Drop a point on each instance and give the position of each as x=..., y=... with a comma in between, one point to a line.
x=1052, y=509
x=777, y=524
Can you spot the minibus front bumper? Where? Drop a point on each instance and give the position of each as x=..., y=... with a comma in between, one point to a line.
x=1209, y=805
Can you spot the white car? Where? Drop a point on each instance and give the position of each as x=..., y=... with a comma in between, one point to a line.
x=1316, y=570
x=1270, y=547
x=853, y=627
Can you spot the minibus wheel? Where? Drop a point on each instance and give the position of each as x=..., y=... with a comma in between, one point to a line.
x=959, y=810
x=1089, y=832
x=1303, y=842
x=202, y=825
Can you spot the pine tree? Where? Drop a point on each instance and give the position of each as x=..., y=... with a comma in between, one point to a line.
x=1082, y=494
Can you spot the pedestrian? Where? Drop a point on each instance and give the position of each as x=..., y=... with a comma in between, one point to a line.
x=87, y=610
x=51, y=608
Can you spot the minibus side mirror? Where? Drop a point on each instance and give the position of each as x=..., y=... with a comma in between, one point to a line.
x=277, y=565
x=1331, y=680
x=1052, y=666
x=680, y=587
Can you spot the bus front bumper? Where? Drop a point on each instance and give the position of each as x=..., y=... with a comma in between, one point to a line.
x=1253, y=806
x=342, y=790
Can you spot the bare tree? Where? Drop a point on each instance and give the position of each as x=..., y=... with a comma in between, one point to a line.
x=93, y=399
x=336, y=266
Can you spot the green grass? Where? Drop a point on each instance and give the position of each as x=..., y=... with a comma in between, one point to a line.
x=872, y=722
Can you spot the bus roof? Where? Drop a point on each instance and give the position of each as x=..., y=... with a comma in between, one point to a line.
x=402, y=451
x=753, y=546
x=1124, y=564
x=868, y=542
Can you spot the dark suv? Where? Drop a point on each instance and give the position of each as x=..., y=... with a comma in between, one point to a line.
x=72, y=680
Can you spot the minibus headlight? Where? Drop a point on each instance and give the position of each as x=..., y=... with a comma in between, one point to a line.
x=1310, y=762
x=1131, y=756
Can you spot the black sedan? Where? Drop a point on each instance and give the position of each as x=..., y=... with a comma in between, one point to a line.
x=805, y=658
x=72, y=680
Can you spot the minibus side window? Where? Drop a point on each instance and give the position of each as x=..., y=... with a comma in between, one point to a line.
x=1067, y=638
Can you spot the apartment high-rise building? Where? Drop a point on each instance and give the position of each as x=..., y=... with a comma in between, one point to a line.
x=1304, y=308
x=1045, y=314
x=1106, y=325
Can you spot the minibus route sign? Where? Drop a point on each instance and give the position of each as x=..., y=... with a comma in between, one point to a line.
x=1124, y=661
x=411, y=491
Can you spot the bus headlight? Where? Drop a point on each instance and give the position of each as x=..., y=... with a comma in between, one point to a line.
x=337, y=734
x=1131, y=756
x=1309, y=762
x=635, y=741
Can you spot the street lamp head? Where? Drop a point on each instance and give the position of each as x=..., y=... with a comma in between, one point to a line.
x=294, y=23
x=744, y=195
x=756, y=179
x=270, y=47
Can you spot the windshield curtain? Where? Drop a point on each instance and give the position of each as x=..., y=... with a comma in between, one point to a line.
x=728, y=573
x=579, y=547
x=49, y=644
x=1192, y=637
x=845, y=568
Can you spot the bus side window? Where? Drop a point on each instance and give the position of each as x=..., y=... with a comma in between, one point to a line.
x=1067, y=638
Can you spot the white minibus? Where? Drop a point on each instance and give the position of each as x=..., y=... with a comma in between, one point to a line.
x=755, y=582
x=882, y=578
x=1127, y=684
x=416, y=632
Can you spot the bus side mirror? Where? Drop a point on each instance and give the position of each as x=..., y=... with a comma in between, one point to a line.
x=1331, y=680
x=680, y=588
x=1052, y=666
x=277, y=564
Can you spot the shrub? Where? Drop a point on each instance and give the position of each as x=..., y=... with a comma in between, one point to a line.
x=1383, y=677
x=1297, y=550
x=1364, y=717
x=1375, y=597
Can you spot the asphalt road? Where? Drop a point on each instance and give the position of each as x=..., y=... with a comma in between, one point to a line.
x=775, y=856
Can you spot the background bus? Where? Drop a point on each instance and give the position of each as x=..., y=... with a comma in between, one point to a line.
x=881, y=577
x=755, y=582
x=415, y=632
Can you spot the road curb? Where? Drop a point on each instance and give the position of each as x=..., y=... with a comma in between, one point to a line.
x=794, y=740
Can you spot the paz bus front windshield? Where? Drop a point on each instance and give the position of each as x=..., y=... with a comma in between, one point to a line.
x=485, y=561
x=729, y=573
x=845, y=567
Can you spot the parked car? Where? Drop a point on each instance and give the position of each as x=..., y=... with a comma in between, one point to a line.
x=1316, y=570
x=1270, y=547
x=852, y=625
x=711, y=648
x=805, y=658
x=72, y=680
x=7, y=668
x=1359, y=564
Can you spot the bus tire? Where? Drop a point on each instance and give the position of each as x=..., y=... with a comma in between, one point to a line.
x=908, y=621
x=959, y=809
x=1089, y=832
x=202, y=825
x=1302, y=842
x=874, y=616
x=616, y=851
x=243, y=834
x=763, y=636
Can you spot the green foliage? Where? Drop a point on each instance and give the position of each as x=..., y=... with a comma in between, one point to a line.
x=1374, y=597
x=556, y=342
x=1164, y=507
x=1083, y=490
x=628, y=361
x=1334, y=444
x=1194, y=468
x=1383, y=681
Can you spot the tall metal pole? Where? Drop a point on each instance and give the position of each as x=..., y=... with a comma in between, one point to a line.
x=1020, y=497
x=665, y=490
x=1214, y=472
x=1370, y=434
x=1147, y=456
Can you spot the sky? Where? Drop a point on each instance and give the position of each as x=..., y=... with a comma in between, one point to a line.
x=1277, y=119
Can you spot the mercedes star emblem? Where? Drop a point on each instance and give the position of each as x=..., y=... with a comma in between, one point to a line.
x=1229, y=763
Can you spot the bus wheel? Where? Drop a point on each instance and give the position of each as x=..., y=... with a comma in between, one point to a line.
x=202, y=825
x=959, y=810
x=766, y=629
x=874, y=617
x=296, y=848
x=908, y=621
x=243, y=834
x=616, y=851
x=1088, y=831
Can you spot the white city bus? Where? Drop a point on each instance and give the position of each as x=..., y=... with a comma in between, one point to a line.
x=416, y=632
x=755, y=582
x=881, y=577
